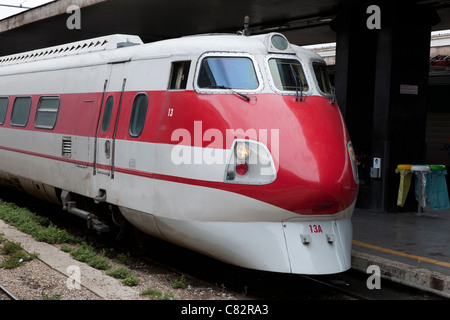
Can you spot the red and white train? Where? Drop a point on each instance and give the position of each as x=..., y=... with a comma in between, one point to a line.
x=229, y=145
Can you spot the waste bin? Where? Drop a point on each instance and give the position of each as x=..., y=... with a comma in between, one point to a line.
x=405, y=182
x=422, y=176
x=437, y=193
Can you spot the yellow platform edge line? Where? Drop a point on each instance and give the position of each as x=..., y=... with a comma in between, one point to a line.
x=407, y=255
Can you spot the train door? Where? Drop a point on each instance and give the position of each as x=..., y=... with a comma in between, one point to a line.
x=108, y=121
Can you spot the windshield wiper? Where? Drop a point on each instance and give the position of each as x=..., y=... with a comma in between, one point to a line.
x=232, y=90
x=333, y=92
x=296, y=79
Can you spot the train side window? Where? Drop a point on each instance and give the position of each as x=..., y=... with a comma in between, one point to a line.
x=47, y=112
x=138, y=114
x=179, y=74
x=288, y=75
x=20, y=111
x=323, y=80
x=3, y=108
x=107, y=114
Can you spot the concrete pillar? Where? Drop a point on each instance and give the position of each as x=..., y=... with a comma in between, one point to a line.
x=381, y=83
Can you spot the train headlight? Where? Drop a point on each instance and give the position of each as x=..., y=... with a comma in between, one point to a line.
x=354, y=161
x=242, y=151
x=277, y=43
x=250, y=162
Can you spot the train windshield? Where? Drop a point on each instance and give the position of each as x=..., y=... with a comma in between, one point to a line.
x=288, y=75
x=227, y=72
x=323, y=80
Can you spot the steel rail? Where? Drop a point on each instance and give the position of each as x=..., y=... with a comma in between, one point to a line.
x=8, y=293
x=338, y=289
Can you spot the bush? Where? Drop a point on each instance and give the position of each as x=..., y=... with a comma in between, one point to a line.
x=83, y=253
x=40, y=228
x=66, y=248
x=157, y=295
x=124, y=258
x=53, y=235
x=86, y=253
x=11, y=247
x=180, y=283
x=130, y=281
x=16, y=255
x=119, y=273
x=98, y=262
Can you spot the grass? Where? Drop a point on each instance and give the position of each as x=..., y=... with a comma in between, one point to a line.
x=16, y=255
x=157, y=295
x=130, y=281
x=179, y=283
x=40, y=228
x=124, y=258
x=86, y=253
x=10, y=248
x=46, y=296
x=119, y=273
x=66, y=248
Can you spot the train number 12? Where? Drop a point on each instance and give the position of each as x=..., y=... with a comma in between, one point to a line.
x=315, y=228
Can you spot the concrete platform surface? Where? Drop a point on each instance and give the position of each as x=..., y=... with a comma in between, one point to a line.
x=103, y=285
x=408, y=248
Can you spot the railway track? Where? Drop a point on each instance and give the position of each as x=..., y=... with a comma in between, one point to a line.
x=342, y=288
x=5, y=294
x=261, y=285
x=253, y=284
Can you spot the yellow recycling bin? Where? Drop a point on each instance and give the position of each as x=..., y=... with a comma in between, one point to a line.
x=405, y=182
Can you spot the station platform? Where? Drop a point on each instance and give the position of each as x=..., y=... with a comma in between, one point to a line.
x=408, y=248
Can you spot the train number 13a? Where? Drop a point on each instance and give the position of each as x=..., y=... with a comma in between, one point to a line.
x=315, y=228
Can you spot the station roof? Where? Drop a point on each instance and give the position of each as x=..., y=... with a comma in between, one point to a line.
x=302, y=21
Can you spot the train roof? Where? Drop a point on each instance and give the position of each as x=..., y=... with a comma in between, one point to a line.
x=121, y=47
x=85, y=46
x=199, y=44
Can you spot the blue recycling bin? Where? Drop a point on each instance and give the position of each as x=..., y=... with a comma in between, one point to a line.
x=431, y=187
x=437, y=193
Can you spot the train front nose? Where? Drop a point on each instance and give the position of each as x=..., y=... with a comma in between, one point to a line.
x=318, y=174
x=317, y=160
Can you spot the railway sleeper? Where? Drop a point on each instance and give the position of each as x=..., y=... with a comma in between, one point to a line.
x=93, y=221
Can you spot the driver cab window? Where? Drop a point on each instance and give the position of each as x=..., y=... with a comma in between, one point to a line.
x=179, y=75
x=323, y=80
x=227, y=72
x=287, y=75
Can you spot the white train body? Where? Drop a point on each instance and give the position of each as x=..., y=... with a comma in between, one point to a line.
x=167, y=156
